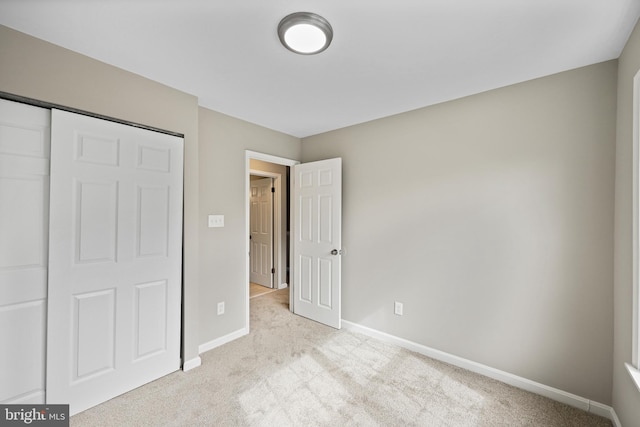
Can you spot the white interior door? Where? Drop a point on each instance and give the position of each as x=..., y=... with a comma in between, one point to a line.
x=261, y=228
x=115, y=256
x=24, y=212
x=317, y=219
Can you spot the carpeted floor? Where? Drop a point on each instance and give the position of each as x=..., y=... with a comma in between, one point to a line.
x=294, y=372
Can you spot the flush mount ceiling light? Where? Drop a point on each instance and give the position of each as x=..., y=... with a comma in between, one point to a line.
x=305, y=33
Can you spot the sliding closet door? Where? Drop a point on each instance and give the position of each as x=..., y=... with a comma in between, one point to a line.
x=115, y=258
x=24, y=198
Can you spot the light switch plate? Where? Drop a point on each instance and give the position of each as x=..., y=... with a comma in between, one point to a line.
x=216, y=221
x=398, y=308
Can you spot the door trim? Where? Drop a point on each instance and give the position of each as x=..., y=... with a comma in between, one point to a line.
x=247, y=172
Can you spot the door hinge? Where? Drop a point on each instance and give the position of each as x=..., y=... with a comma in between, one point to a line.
x=273, y=271
x=273, y=189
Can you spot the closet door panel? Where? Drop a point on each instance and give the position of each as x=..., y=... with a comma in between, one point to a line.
x=115, y=259
x=24, y=208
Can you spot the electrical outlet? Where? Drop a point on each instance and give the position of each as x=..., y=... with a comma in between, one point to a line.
x=220, y=308
x=398, y=308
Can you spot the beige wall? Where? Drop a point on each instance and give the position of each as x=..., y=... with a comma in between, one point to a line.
x=223, y=141
x=626, y=398
x=491, y=219
x=33, y=68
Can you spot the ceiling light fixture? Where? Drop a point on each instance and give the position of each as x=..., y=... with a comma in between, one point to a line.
x=305, y=33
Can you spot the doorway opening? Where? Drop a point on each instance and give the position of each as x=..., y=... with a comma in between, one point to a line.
x=268, y=261
x=315, y=218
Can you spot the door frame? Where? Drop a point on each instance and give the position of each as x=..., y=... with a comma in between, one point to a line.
x=277, y=223
x=248, y=155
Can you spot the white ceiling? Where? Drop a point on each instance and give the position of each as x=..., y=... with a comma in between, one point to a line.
x=386, y=57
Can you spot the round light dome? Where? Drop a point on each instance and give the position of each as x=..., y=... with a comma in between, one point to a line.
x=305, y=33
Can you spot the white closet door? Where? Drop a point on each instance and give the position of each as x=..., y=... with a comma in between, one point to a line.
x=24, y=206
x=115, y=258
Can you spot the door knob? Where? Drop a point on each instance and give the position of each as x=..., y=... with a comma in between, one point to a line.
x=336, y=252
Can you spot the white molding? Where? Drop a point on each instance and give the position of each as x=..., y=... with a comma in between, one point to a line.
x=222, y=340
x=270, y=158
x=614, y=418
x=635, y=374
x=191, y=364
x=604, y=411
x=635, y=340
x=600, y=409
x=505, y=377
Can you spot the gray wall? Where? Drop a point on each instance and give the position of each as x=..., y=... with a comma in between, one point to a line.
x=223, y=141
x=626, y=398
x=33, y=68
x=491, y=219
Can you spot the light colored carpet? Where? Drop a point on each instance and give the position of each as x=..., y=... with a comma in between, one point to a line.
x=256, y=290
x=294, y=372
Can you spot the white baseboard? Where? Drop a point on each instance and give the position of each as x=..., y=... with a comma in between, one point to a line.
x=606, y=412
x=505, y=377
x=222, y=340
x=191, y=364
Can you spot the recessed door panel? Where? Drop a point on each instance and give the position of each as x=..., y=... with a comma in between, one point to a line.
x=96, y=221
x=94, y=333
x=305, y=179
x=265, y=217
x=325, y=219
x=150, y=316
x=153, y=221
x=325, y=268
x=255, y=259
x=255, y=211
x=265, y=265
x=22, y=137
x=305, y=278
x=325, y=177
x=154, y=159
x=305, y=233
x=22, y=328
x=22, y=221
x=101, y=150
